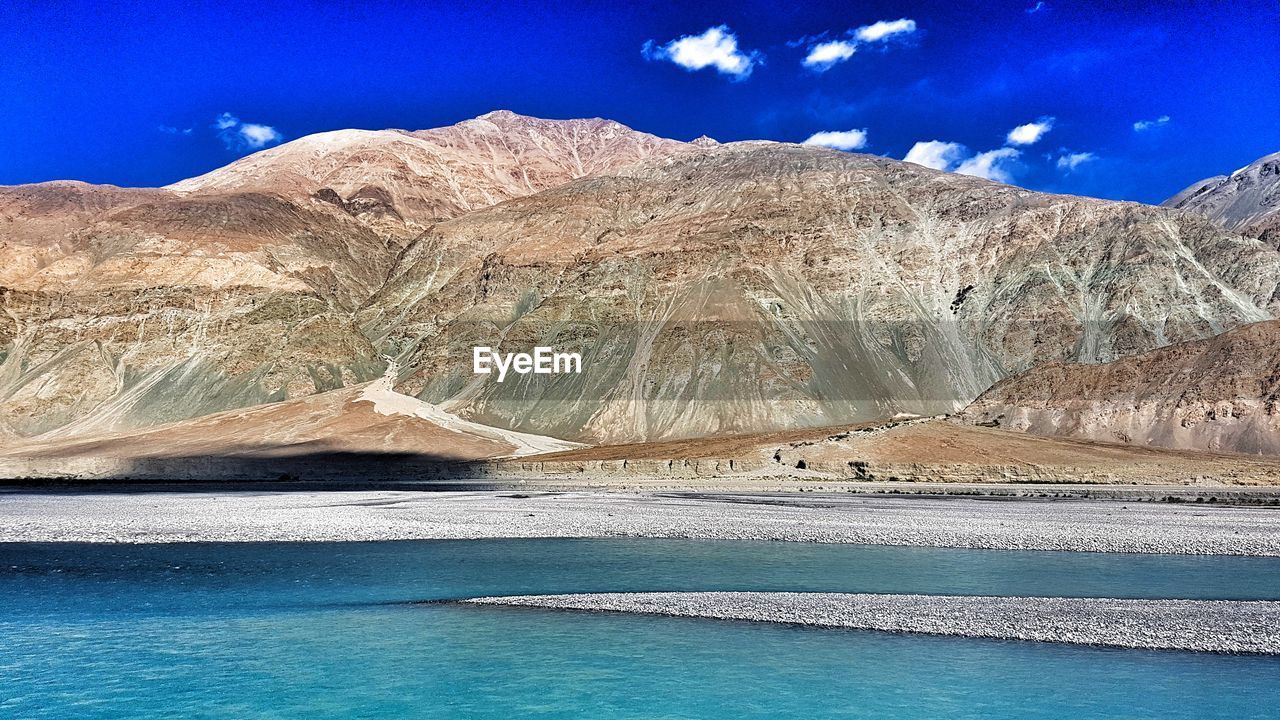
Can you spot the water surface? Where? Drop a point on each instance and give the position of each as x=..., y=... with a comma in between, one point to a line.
x=326, y=630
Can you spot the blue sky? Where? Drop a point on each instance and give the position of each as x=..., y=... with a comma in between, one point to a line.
x=146, y=94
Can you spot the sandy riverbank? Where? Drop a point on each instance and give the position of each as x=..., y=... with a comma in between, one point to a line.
x=1083, y=525
x=1202, y=625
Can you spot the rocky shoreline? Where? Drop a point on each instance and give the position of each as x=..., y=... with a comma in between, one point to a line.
x=1007, y=524
x=1222, y=626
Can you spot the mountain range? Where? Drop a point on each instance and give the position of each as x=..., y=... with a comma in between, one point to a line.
x=1218, y=393
x=710, y=288
x=1247, y=200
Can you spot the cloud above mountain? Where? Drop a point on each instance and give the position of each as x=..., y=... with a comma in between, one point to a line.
x=1068, y=162
x=883, y=29
x=839, y=139
x=995, y=164
x=1145, y=125
x=1030, y=133
x=936, y=154
x=717, y=48
x=991, y=165
x=238, y=135
x=825, y=53
x=999, y=164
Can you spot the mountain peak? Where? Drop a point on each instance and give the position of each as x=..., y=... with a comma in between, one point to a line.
x=507, y=120
x=427, y=175
x=1247, y=200
x=500, y=114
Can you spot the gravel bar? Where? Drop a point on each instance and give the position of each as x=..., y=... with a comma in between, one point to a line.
x=1223, y=626
x=1079, y=525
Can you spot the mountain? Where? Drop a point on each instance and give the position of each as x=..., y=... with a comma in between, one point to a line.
x=1221, y=393
x=130, y=307
x=1218, y=393
x=1247, y=200
x=755, y=286
x=124, y=308
x=710, y=288
x=401, y=182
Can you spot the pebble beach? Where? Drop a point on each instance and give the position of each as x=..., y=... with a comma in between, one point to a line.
x=1074, y=525
x=1225, y=626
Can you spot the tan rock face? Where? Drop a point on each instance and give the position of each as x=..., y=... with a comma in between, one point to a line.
x=129, y=358
x=125, y=308
x=129, y=307
x=754, y=286
x=709, y=288
x=404, y=181
x=1221, y=393
x=1247, y=200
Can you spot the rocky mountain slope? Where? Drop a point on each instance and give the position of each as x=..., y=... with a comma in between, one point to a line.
x=400, y=182
x=1247, y=200
x=710, y=288
x=1221, y=393
x=753, y=286
x=129, y=307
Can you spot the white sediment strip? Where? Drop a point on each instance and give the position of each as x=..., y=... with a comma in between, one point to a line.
x=386, y=401
x=1094, y=526
x=1226, y=626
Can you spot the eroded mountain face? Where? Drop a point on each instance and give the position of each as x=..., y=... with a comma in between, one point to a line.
x=709, y=288
x=1221, y=393
x=1214, y=394
x=401, y=182
x=759, y=285
x=1247, y=200
x=125, y=308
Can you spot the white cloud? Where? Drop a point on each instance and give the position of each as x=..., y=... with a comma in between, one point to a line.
x=885, y=28
x=936, y=154
x=1070, y=161
x=1030, y=133
x=171, y=130
x=717, y=48
x=992, y=165
x=839, y=139
x=1037, y=7
x=954, y=157
x=256, y=136
x=1145, y=125
x=824, y=55
x=238, y=135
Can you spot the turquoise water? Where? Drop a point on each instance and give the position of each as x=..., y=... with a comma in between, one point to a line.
x=326, y=630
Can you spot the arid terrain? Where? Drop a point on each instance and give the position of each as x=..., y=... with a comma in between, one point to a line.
x=1222, y=393
x=749, y=307
x=1247, y=200
x=369, y=433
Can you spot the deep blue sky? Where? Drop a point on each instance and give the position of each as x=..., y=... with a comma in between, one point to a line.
x=87, y=87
